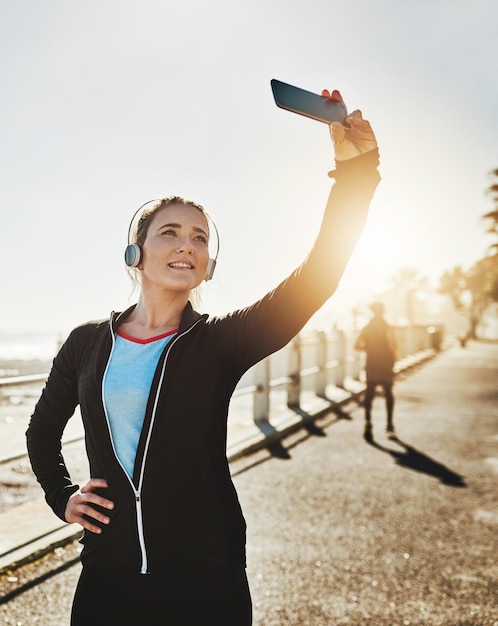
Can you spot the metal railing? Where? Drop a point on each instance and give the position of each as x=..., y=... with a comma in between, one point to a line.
x=317, y=362
x=20, y=381
x=312, y=362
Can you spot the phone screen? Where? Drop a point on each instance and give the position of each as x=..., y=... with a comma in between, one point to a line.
x=307, y=103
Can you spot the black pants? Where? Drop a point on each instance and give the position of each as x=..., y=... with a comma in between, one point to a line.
x=387, y=386
x=220, y=598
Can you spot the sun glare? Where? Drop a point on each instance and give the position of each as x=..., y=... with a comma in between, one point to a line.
x=374, y=262
x=386, y=250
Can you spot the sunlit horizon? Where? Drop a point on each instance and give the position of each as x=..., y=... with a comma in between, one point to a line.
x=95, y=130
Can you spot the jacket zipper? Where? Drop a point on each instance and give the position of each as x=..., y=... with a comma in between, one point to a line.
x=138, y=490
x=141, y=538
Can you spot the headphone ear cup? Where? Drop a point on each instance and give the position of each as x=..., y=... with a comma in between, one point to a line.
x=133, y=255
x=210, y=269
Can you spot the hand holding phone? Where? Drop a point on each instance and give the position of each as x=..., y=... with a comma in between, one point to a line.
x=351, y=138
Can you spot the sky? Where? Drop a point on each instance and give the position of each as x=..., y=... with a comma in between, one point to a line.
x=107, y=104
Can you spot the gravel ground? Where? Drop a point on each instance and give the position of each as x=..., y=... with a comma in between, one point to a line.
x=19, y=484
x=341, y=532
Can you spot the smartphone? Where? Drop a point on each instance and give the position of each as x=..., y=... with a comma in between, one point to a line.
x=307, y=103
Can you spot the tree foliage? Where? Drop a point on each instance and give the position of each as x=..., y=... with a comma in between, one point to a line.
x=492, y=219
x=480, y=282
x=492, y=216
x=454, y=284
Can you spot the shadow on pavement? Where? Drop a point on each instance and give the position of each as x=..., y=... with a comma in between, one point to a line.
x=420, y=462
x=37, y=581
x=278, y=451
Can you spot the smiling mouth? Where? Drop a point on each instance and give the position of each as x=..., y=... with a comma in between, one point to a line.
x=181, y=265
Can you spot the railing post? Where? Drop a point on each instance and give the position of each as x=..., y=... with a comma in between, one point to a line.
x=321, y=362
x=261, y=406
x=294, y=373
x=340, y=374
x=357, y=360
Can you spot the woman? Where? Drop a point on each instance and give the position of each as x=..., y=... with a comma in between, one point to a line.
x=164, y=539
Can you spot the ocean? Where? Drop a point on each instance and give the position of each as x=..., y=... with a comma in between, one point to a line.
x=27, y=353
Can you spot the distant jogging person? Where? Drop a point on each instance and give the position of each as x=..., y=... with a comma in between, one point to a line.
x=164, y=534
x=378, y=341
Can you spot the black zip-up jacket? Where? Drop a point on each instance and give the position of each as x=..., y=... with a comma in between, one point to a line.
x=181, y=507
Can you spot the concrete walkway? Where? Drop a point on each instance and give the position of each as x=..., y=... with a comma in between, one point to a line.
x=341, y=531
x=397, y=532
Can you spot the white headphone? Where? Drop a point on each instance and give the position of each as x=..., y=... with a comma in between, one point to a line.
x=133, y=252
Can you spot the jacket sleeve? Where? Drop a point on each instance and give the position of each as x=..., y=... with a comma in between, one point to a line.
x=342, y=224
x=269, y=324
x=43, y=436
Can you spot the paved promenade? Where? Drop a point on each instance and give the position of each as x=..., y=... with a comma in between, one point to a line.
x=345, y=532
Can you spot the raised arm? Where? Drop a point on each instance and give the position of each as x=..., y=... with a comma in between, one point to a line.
x=271, y=322
x=356, y=178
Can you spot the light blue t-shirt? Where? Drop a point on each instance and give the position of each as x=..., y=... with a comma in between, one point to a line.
x=126, y=390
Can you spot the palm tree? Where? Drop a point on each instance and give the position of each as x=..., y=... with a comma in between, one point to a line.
x=454, y=284
x=406, y=282
x=492, y=216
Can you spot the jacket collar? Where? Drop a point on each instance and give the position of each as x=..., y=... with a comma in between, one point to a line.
x=189, y=317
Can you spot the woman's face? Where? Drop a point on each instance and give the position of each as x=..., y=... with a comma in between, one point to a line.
x=175, y=252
